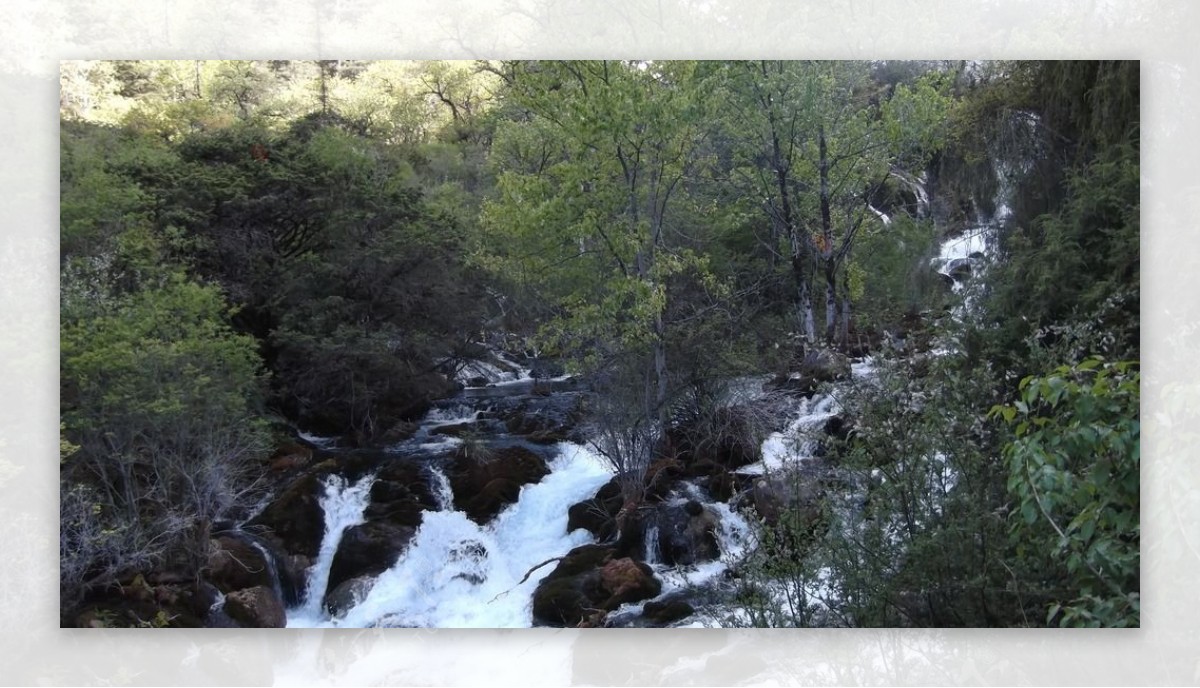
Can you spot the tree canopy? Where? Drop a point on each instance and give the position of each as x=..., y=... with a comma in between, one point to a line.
x=249, y=248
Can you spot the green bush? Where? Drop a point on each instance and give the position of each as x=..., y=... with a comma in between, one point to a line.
x=1073, y=468
x=160, y=431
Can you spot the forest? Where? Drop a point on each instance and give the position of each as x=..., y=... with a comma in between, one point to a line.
x=599, y=343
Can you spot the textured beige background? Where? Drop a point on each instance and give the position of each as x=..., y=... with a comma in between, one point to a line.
x=35, y=35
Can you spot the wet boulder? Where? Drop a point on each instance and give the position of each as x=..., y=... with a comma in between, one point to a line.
x=687, y=533
x=839, y=427
x=564, y=596
x=348, y=594
x=542, y=418
x=627, y=580
x=817, y=366
x=598, y=515
x=238, y=560
x=960, y=269
x=234, y=564
x=791, y=504
x=825, y=365
x=589, y=582
x=367, y=549
x=257, y=607
x=295, y=518
x=668, y=610
x=400, y=494
x=487, y=479
x=290, y=456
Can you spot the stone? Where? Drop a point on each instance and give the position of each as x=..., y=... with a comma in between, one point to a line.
x=627, y=580
x=667, y=610
x=367, y=549
x=348, y=594
x=234, y=564
x=295, y=517
x=257, y=607
x=687, y=534
x=588, y=583
x=487, y=481
x=598, y=515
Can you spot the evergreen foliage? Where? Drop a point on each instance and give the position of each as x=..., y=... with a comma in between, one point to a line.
x=248, y=243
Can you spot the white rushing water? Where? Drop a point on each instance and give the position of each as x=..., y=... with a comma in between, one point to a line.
x=344, y=504
x=973, y=240
x=733, y=539
x=442, y=493
x=317, y=440
x=458, y=574
x=651, y=555
x=792, y=444
x=504, y=369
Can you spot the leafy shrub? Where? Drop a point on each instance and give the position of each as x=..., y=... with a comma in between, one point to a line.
x=1073, y=467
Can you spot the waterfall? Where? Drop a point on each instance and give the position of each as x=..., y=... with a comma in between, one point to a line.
x=343, y=504
x=915, y=183
x=651, y=555
x=883, y=217
x=272, y=568
x=442, y=493
x=790, y=445
x=458, y=574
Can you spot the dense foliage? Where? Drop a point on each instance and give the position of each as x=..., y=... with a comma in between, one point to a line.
x=253, y=247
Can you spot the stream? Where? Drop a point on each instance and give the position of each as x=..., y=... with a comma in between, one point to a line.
x=459, y=571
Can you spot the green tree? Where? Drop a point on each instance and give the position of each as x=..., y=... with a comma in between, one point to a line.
x=586, y=220
x=161, y=398
x=816, y=141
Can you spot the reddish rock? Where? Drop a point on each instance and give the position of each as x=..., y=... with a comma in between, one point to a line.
x=626, y=580
x=257, y=607
x=587, y=584
x=234, y=564
x=290, y=456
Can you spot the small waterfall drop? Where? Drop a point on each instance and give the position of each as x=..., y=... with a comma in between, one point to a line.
x=343, y=504
x=272, y=568
x=791, y=444
x=651, y=555
x=442, y=493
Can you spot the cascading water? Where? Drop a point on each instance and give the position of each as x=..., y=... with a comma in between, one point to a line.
x=455, y=573
x=442, y=493
x=272, y=569
x=343, y=504
x=791, y=444
x=458, y=574
x=651, y=555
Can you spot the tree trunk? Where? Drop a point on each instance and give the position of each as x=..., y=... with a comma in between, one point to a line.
x=799, y=243
x=660, y=368
x=804, y=306
x=810, y=324
x=827, y=253
x=844, y=330
x=830, y=300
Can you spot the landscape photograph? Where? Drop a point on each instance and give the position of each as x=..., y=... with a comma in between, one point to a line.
x=599, y=344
